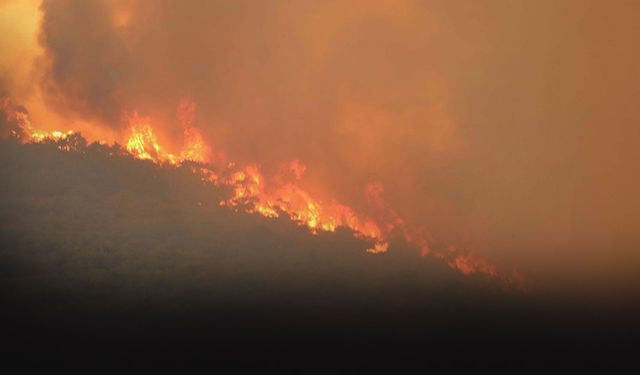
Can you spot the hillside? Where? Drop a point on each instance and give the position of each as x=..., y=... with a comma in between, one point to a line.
x=104, y=255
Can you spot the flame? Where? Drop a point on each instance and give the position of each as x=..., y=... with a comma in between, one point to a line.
x=380, y=247
x=290, y=199
x=470, y=263
x=271, y=197
x=142, y=142
x=194, y=148
x=22, y=128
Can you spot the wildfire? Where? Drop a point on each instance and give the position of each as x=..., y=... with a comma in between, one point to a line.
x=299, y=205
x=273, y=197
x=22, y=124
x=142, y=142
x=194, y=148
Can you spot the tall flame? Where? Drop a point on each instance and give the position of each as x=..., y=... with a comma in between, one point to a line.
x=194, y=148
x=142, y=142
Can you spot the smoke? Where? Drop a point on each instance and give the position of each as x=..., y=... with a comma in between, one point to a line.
x=508, y=128
x=86, y=61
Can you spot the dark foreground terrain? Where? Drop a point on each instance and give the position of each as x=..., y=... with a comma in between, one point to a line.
x=105, y=260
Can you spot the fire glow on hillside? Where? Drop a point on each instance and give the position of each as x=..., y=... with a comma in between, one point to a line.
x=269, y=196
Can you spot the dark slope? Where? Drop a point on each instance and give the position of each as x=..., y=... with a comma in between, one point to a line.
x=106, y=258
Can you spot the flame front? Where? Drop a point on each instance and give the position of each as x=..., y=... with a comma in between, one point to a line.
x=254, y=193
x=299, y=205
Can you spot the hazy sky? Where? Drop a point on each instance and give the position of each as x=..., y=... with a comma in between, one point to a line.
x=511, y=127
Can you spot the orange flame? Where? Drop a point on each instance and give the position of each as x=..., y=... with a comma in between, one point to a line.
x=142, y=142
x=194, y=148
x=22, y=129
x=253, y=193
x=299, y=205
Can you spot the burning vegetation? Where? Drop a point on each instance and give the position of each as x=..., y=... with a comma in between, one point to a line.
x=253, y=192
